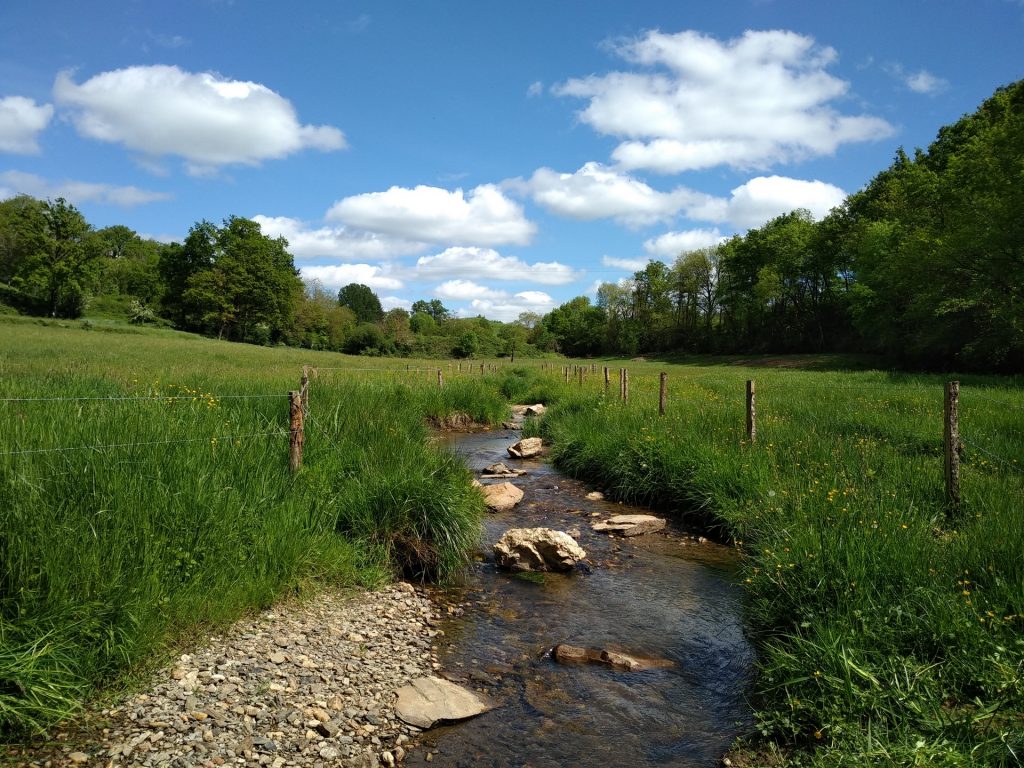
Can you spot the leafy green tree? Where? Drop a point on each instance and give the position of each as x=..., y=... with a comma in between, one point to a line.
x=363, y=301
x=467, y=346
x=434, y=308
x=577, y=326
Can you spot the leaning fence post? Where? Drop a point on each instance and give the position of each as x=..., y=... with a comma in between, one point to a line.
x=296, y=436
x=951, y=443
x=607, y=381
x=751, y=412
x=662, y=394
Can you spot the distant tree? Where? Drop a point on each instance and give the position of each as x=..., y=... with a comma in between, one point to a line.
x=363, y=301
x=467, y=345
x=423, y=323
x=577, y=326
x=434, y=308
x=366, y=339
x=397, y=329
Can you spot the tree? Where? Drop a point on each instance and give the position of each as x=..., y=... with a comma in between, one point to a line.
x=578, y=327
x=434, y=308
x=363, y=301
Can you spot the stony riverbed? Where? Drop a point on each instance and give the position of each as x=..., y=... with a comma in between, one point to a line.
x=301, y=685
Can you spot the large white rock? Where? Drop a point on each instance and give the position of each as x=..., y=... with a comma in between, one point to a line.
x=501, y=496
x=630, y=525
x=535, y=410
x=427, y=701
x=537, y=549
x=525, y=448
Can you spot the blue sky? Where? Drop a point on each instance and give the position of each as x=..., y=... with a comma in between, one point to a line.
x=503, y=157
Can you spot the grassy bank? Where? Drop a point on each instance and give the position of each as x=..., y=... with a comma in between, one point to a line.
x=145, y=492
x=889, y=629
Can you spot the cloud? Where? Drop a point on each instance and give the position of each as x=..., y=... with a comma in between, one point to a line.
x=765, y=197
x=17, y=183
x=488, y=264
x=630, y=265
x=21, y=121
x=749, y=102
x=336, y=276
x=926, y=83
x=536, y=89
x=465, y=290
x=598, y=192
x=202, y=117
x=484, y=216
x=394, y=302
x=336, y=242
x=509, y=308
x=671, y=244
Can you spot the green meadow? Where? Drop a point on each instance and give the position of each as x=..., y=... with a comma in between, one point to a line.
x=146, y=495
x=890, y=628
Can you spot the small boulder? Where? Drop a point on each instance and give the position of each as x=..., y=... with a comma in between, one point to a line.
x=630, y=525
x=535, y=410
x=501, y=470
x=537, y=549
x=501, y=496
x=427, y=701
x=526, y=448
x=595, y=496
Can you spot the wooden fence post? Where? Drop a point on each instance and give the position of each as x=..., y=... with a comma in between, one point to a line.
x=295, y=429
x=567, y=374
x=751, y=412
x=607, y=380
x=304, y=389
x=951, y=444
x=440, y=378
x=625, y=385
x=662, y=394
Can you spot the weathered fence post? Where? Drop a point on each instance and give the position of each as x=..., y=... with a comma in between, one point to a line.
x=567, y=374
x=625, y=385
x=304, y=389
x=662, y=394
x=607, y=380
x=295, y=429
x=751, y=412
x=580, y=373
x=481, y=369
x=440, y=378
x=951, y=444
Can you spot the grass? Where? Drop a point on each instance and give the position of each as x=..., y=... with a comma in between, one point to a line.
x=889, y=628
x=161, y=501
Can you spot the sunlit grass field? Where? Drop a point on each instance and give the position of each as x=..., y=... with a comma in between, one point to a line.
x=145, y=491
x=890, y=628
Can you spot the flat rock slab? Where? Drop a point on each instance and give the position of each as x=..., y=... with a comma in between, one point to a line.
x=595, y=496
x=537, y=549
x=427, y=701
x=571, y=654
x=526, y=448
x=535, y=410
x=501, y=496
x=501, y=470
x=630, y=525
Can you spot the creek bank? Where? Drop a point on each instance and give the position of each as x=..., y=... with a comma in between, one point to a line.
x=311, y=684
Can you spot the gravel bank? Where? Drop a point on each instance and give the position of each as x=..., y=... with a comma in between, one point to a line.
x=304, y=685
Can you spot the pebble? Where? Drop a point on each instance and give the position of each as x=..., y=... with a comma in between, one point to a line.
x=242, y=699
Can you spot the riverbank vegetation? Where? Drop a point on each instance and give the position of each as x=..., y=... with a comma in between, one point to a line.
x=890, y=628
x=145, y=492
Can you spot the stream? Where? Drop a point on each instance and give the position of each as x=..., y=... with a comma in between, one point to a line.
x=662, y=595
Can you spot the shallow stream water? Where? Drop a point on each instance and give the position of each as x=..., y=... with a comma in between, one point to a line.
x=662, y=595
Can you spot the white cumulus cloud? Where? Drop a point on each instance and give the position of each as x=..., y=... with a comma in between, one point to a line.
x=21, y=122
x=487, y=264
x=336, y=276
x=698, y=102
x=598, y=192
x=466, y=290
x=630, y=265
x=925, y=82
x=206, y=119
x=765, y=197
x=17, y=183
x=671, y=244
x=483, y=217
x=508, y=308
x=340, y=242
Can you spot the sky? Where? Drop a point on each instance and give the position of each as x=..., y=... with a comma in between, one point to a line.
x=502, y=157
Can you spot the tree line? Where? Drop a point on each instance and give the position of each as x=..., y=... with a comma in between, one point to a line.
x=925, y=266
